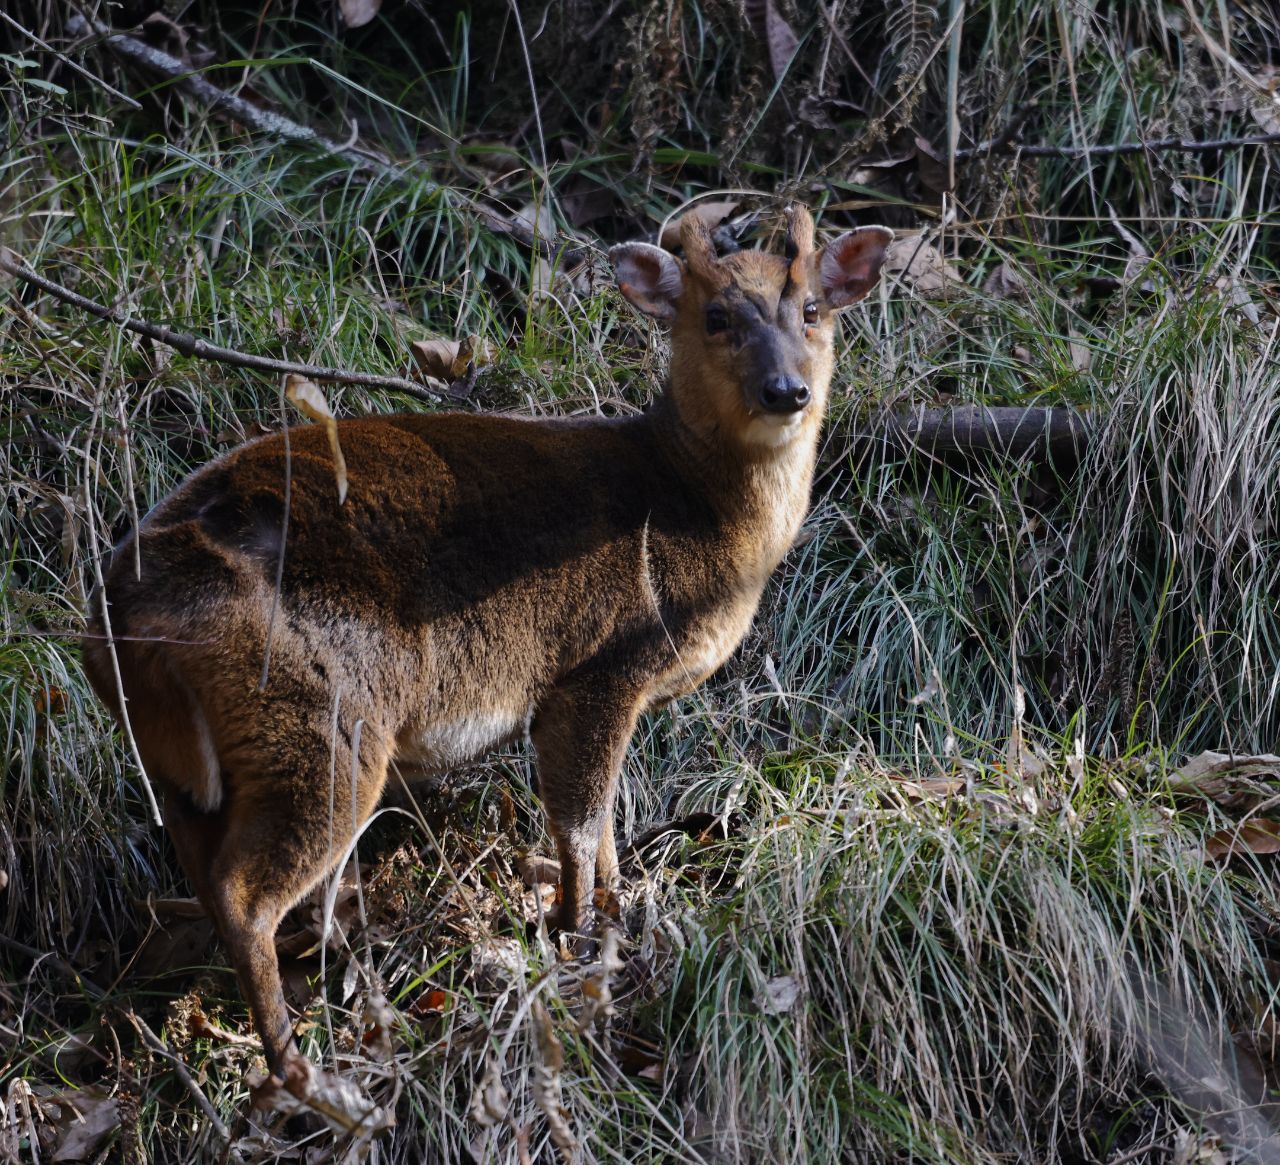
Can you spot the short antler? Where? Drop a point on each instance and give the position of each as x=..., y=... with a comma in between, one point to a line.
x=700, y=252
x=799, y=248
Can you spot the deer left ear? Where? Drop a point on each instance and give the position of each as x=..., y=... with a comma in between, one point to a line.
x=849, y=266
x=649, y=277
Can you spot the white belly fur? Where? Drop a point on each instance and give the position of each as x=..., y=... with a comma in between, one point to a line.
x=446, y=744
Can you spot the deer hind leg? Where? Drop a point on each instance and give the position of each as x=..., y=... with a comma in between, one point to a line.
x=580, y=734
x=282, y=832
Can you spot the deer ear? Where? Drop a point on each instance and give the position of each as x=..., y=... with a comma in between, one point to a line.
x=849, y=266
x=649, y=277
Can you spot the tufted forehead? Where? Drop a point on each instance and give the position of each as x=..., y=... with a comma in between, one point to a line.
x=757, y=273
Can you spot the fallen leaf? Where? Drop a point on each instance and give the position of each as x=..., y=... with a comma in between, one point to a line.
x=1004, y=282
x=450, y=360
x=1080, y=352
x=545, y=1084
x=536, y=870
x=1138, y=264
x=429, y=1002
x=921, y=266
x=202, y=1026
x=379, y=1021
x=932, y=788
x=1267, y=114
x=779, y=995
x=538, y=218
x=1258, y=835
x=306, y=939
x=1238, y=295
x=82, y=1118
x=309, y=401
x=597, y=988
x=779, y=37
x=931, y=690
x=437, y=357
x=489, y=1099
x=357, y=13
x=306, y=1088
x=1232, y=781
x=711, y=213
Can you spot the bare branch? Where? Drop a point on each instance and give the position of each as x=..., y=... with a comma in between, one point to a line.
x=1056, y=436
x=274, y=125
x=190, y=345
x=1002, y=145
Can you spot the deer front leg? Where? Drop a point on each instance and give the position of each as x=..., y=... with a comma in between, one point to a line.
x=580, y=735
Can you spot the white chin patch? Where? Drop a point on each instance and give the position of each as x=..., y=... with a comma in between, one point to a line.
x=774, y=428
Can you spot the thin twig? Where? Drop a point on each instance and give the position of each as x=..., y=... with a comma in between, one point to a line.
x=149, y=57
x=190, y=345
x=1191, y=145
x=66, y=60
x=270, y=124
x=153, y=1041
x=157, y=1045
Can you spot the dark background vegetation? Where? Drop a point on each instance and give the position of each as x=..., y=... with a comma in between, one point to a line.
x=922, y=873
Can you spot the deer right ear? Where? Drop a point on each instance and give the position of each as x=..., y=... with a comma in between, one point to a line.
x=649, y=277
x=850, y=265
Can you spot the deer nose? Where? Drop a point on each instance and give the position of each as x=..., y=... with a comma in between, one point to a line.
x=784, y=394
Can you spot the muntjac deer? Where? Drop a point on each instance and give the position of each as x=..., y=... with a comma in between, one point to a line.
x=487, y=576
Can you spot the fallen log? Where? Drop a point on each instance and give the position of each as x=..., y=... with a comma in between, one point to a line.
x=1052, y=438
x=1056, y=435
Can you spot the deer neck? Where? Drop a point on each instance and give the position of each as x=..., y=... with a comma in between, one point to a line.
x=759, y=492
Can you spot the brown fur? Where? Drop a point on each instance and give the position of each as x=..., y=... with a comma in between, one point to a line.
x=486, y=576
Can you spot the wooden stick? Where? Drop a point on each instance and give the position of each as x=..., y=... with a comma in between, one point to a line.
x=1190, y=145
x=190, y=345
x=262, y=121
x=1015, y=432
x=1051, y=436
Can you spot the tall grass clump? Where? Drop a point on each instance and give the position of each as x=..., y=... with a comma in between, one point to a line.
x=873, y=969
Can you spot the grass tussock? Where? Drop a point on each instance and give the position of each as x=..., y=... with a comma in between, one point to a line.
x=907, y=882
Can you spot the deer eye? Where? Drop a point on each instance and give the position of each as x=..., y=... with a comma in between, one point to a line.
x=717, y=319
x=811, y=312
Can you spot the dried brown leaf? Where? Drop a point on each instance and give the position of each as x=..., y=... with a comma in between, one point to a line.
x=309, y=400
x=306, y=939
x=437, y=358
x=1081, y=353
x=81, y=1119
x=536, y=870
x=306, y=1088
x=446, y=361
x=921, y=266
x=597, y=988
x=545, y=1084
x=379, y=1023
x=537, y=217
x=1005, y=282
x=1258, y=835
x=1232, y=781
x=779, y=37
x=490, y=1099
